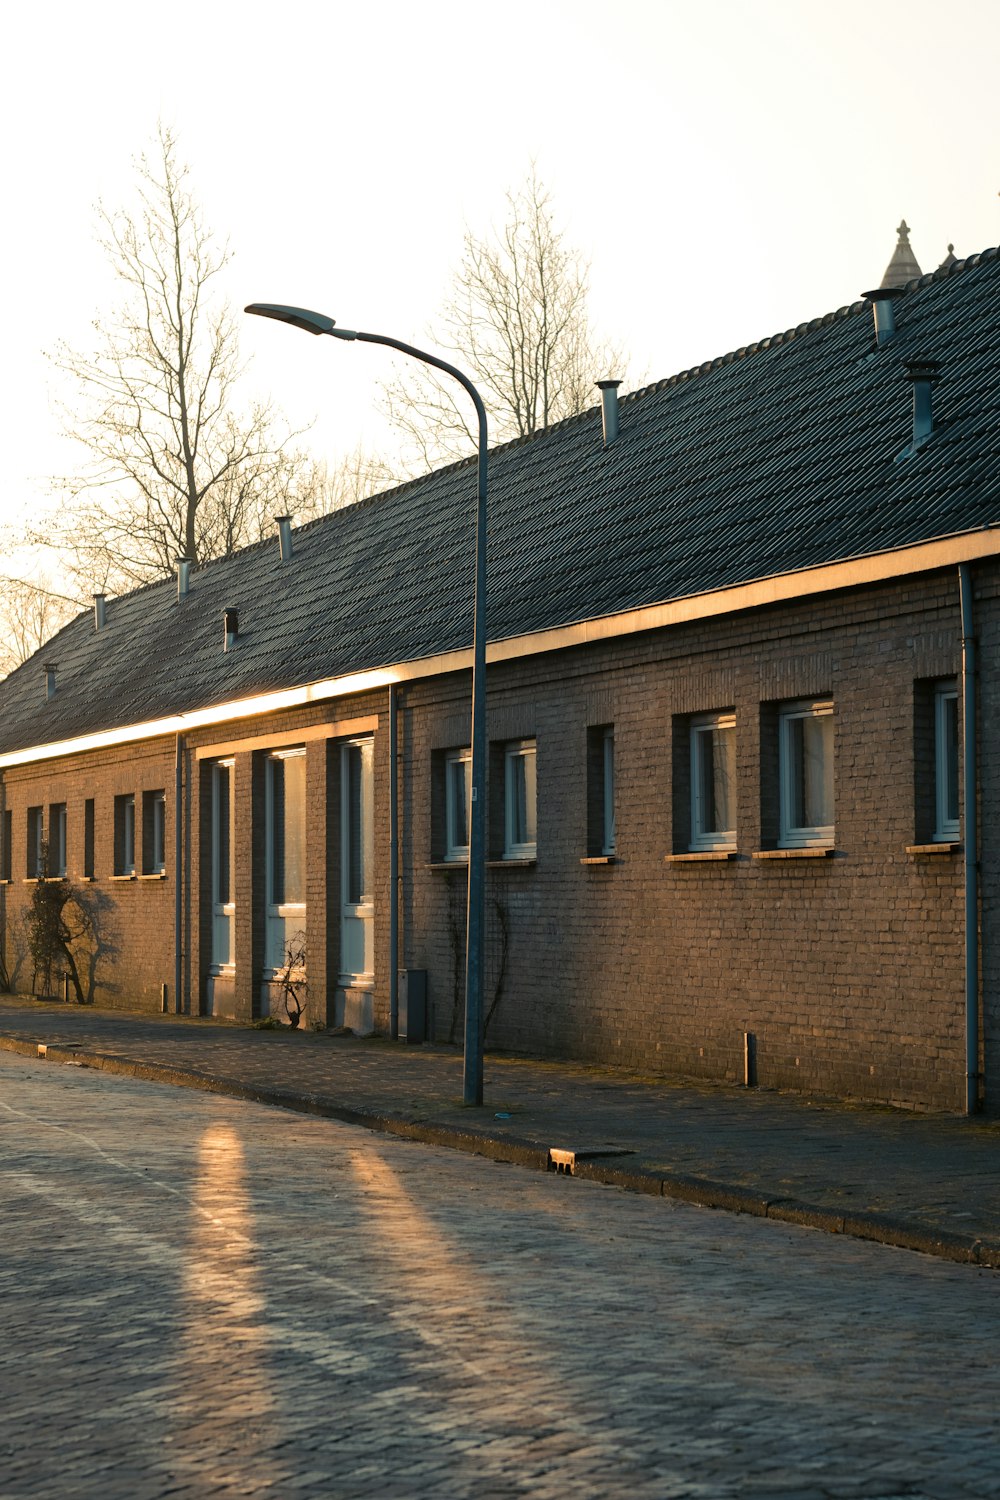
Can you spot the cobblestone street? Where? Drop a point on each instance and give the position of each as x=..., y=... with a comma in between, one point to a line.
x=206, y=1297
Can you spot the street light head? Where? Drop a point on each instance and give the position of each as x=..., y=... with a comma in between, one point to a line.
x=299, y=317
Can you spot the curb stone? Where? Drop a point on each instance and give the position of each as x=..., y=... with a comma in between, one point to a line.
x=882, y=1229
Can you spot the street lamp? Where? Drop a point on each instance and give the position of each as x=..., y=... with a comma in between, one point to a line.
x=314, y=322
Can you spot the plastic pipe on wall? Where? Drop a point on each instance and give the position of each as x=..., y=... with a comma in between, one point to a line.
x=969, y=758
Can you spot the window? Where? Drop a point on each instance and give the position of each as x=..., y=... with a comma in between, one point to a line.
x=223, y=884
x=601, y=835
x=57, y=840
x=36, y=844
x=713, y=782
x=286, y=854
x=6, y=860
x=154, y=833
x=519, y=801
x=805, y=762
x=458, y=802
x=88, y=839
x=946, y=828
x=357, y=863
x=125, y=834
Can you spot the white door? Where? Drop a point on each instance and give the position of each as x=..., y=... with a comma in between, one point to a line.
x=357, y=860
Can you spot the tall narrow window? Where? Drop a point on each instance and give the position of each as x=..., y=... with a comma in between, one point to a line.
x=6, y=854
x=610, y=842
x=36, y=844
x=125, y=834
x=520, y=840
x=154, y=833
x=713, y=782
x=286, y=855
x=602, y=838
x=223, y=905
x=88, y=839
x=57, y=840
x=805, y=757
x=458, y=800
x=357, y=862
x=946, y=823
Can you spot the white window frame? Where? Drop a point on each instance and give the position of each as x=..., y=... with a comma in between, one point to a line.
x=125, y=834
x=57, y=840
x=946, y=772
x=704, y=839
x=223, y=912
x=609, y=831
x=357, y=918
x=518, y=754
x=286, y=920
x=154, y=839
x=792, y=834
x=457, y=763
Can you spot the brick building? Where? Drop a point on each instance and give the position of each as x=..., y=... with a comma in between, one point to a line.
x=743, y=659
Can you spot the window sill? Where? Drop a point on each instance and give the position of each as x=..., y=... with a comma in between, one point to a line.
x=941, y=848
x=821, y=851
x=510, y=864
x=699, y=855
x=121, y=877
x=87, y=879
x=448, y=866
x=153, y=875
x=600, y=859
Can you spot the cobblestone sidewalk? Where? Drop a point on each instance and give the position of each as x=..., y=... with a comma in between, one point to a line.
x=926, y=1182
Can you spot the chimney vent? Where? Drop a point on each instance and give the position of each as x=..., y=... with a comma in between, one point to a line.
x=183, y=577
x=50, y=679
x=284, y=525
x=881, y=300
x=100, y=611
x=231, y=626
x=924, y=374
x=609, y=409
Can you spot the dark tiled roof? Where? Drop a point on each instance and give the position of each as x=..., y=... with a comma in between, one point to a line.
x=778, y=457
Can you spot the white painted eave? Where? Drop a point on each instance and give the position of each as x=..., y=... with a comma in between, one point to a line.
x=880, y=567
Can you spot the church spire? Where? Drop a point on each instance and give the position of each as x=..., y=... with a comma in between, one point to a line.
x=903, y=265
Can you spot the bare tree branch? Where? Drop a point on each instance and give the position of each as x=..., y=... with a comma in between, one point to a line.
x=175, y=465
x=517, y=320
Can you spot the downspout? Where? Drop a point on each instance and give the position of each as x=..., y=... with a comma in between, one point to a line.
x=393, y=869
x=969, y=758
x=178, y=866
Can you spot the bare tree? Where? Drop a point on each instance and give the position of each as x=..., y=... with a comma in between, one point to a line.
x=176, y=464
x=517, y=321
x=354, y=478
x=30, y=614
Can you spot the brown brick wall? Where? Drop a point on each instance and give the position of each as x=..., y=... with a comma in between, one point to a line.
x=848, y=970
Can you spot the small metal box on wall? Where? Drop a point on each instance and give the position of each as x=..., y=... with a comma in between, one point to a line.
x=413, y=1005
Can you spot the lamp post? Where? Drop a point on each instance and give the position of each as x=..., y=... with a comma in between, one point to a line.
x=314, y=322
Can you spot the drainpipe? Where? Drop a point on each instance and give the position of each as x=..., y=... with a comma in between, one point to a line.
x=178, y=865
x=393, y=870
x=972, y=1077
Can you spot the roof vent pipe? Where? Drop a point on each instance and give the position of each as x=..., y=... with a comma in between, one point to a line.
x=100, y=611
x=924, y=374
x=183, y=577
x=284, y=525
x=231, y=625
x=50, y=679
x=609, y=409
x=881, y=300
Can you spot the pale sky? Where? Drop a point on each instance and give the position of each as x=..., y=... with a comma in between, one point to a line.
x=729, y=167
